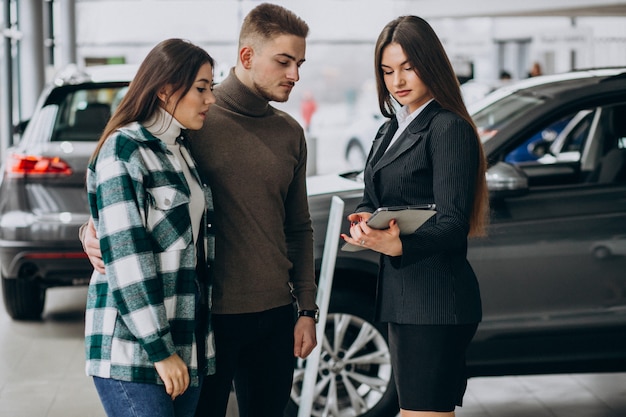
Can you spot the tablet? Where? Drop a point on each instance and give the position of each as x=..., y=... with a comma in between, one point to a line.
x=409, y=219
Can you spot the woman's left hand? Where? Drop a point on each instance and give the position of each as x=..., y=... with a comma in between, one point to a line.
x=385, y=241
x=173, y=371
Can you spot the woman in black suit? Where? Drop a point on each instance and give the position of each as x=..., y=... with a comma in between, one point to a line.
x=428, y=152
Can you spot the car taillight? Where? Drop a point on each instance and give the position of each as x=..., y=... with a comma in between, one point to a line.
x=37, y=165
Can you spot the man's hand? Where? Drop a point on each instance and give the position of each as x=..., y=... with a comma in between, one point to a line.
x=91, y=246
x=174, y=374
x=304, y=337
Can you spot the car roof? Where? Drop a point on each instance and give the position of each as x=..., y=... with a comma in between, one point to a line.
x=72, y=74
x=556, y=87
x=550, y=85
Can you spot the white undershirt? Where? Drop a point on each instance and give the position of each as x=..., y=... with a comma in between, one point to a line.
x=404, y=120
x=167, y=129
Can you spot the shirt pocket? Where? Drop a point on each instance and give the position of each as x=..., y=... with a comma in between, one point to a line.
x=168, y=221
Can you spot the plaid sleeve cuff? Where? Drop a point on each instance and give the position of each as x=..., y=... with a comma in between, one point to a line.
x=160, y=349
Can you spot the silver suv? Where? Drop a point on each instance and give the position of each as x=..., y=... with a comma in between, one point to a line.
x=42, y=187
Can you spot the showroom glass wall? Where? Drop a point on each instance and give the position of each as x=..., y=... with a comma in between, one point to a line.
x=339, y=68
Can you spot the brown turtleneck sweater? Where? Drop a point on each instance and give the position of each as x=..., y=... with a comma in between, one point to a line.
x=254, y=158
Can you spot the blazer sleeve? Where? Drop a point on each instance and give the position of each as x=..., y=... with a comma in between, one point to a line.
x=454, y=153
x=366, y=205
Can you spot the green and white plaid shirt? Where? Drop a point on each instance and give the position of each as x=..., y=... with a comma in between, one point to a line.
x=143, y=309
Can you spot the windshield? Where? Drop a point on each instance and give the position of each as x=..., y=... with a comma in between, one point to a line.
x=495, y=114
x=83, y=113
x=75, y=113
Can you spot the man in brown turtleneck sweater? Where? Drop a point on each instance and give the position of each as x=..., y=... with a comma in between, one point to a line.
x=254, y=158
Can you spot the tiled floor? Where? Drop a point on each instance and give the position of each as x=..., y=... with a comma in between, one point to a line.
x=578, y=395
x=41, y=375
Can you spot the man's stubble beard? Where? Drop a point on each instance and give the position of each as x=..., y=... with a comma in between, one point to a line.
x=267, y=95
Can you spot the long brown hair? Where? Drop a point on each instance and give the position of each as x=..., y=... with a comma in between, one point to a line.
x=428, y=58
x=172, y=62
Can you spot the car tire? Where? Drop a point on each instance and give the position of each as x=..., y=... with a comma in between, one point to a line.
x=23, y=299
x=355, y=387
x=355, y=155
x=601, y=252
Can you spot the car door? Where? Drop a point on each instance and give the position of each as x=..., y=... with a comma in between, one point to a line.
x=545, y=294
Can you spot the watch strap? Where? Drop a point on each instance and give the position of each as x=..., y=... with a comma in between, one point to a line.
x=314, y=314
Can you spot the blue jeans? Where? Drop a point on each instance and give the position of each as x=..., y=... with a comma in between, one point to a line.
x=133, y=399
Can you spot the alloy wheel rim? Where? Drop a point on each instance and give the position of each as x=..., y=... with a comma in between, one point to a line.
x=354, y=369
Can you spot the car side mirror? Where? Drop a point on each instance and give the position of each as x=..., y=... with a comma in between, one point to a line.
x=506, y=180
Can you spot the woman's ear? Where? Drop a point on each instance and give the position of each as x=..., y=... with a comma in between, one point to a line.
x=164, y=94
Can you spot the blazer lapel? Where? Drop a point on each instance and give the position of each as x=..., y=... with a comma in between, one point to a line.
x=410, y=136
x=384, y=133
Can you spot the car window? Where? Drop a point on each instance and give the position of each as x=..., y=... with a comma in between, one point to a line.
x=590, y=148
x=610, y=166
x=529, y=150
x=498, y=114
x=575, y=138
x=617, y=127
x=568, y=144
x=554, y=151
x=83, y=113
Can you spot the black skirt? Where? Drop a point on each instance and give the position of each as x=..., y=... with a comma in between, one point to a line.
x=428, y=362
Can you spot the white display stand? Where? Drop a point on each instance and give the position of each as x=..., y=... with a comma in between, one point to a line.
x=324, y=287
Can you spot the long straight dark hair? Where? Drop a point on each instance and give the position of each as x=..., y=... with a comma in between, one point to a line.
x=172, y=62
x=428, y=58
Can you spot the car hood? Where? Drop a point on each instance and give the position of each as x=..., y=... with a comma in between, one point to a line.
x=333, y=183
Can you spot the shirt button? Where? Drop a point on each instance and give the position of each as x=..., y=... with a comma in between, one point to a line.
x=167, y=201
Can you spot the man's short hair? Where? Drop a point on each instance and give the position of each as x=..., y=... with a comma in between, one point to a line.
x=267, y=21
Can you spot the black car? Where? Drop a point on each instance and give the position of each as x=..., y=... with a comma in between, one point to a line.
x=550, y=303
x=43, y=200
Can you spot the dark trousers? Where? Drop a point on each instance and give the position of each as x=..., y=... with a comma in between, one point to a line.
x=256, y=350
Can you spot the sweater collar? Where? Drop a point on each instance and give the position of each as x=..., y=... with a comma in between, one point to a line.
x=164, y=126
x=240, y=98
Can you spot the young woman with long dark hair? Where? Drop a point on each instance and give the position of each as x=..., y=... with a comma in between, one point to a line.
x=148, y=338
x=427, y=153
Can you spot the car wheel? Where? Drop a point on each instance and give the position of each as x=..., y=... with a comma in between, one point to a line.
x=601, y=252
x=354, y=374
x=355, y=155
x=23, y=299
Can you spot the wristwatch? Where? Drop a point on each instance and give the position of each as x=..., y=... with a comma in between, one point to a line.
x=314, y=314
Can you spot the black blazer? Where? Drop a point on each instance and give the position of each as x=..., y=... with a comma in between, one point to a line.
x=435, y=160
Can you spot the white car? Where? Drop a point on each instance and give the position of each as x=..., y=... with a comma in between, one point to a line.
x=615, y=246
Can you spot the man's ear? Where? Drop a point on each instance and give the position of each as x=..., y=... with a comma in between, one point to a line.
x=245, y=56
